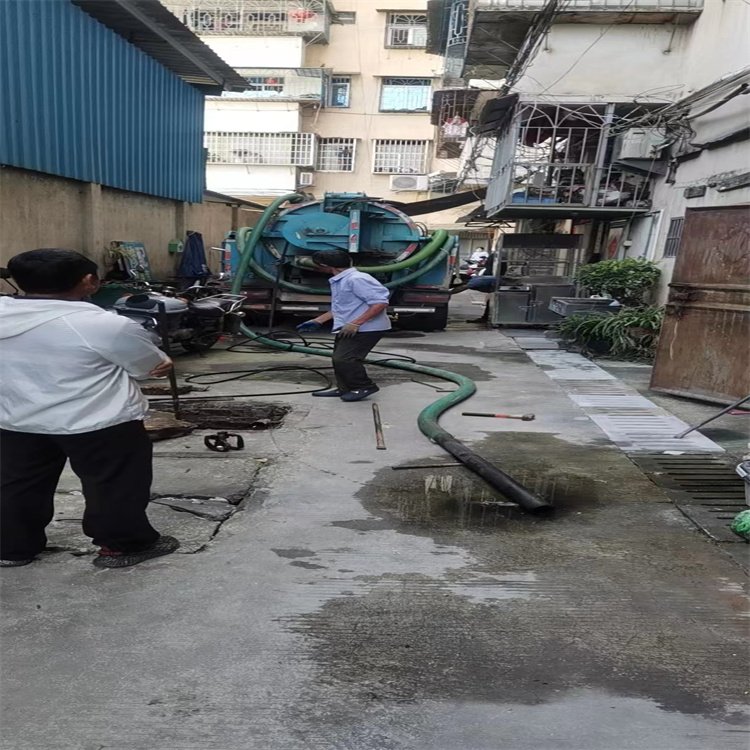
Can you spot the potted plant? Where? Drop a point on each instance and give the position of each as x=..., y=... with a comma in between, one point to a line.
x=627, y=281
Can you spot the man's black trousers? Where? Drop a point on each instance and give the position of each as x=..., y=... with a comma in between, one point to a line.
x=348, y=360
x=115, y=469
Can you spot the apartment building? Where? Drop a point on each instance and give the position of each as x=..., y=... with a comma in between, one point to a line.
x=338, y=99
x=616, y=117
x=624, y=122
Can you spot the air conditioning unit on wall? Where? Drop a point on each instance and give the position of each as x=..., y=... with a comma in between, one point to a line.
x=640, y=143
x=414, y=182
x=306, y=179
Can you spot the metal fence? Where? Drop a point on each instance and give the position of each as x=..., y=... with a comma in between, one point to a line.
x=396, y=156
x=272, y=84
x=562, y=155
x=252, y=17
x=683, y=6
x=273, y=149
x=336, y=154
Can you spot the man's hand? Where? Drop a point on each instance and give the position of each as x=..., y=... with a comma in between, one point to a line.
x=309, y=326
x=348, y=329
x=161, y=370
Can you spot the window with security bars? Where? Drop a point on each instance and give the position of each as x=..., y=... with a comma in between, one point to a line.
x=405, y=94
x=393, y=156
x=336, y=154
x=272, y=84
x=280, y=149
x=406, y=30
x=339, y=90
x=214, y=21
x=674, y=234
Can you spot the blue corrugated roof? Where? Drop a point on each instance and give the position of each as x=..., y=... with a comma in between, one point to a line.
x=77, y=100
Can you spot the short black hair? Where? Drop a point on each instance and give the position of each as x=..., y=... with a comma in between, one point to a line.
x=332, y=258
x=50, y=270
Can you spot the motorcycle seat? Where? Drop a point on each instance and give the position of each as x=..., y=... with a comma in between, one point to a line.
x=207, y=308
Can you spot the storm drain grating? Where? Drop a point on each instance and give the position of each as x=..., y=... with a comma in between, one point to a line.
x=705, y=488
x=639, y=433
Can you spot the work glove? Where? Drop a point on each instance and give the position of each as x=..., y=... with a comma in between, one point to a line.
x=348, y=329
x=309, y=326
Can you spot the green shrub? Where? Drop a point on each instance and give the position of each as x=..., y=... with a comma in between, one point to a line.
x=627, y=280
x=628, y=334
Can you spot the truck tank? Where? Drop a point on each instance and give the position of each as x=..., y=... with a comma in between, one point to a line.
x=383, y=241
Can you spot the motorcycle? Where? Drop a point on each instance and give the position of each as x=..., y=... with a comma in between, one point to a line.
x=196, y=318
x=471, y=268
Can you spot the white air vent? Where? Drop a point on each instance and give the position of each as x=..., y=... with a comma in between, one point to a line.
x=420, y=182
x=306, y=179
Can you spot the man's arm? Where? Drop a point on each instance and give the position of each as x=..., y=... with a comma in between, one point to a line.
x=125, y=344
x=323, y=319
x=352, y=327
x=371, y=312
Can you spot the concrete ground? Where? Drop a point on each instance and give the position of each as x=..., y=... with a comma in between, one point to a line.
x=346, y=605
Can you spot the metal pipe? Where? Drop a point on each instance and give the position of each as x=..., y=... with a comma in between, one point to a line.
x=711, y=419
x=165, y=345
x=379, y=437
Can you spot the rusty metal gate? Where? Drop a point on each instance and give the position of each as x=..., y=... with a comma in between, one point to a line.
x=704, y=346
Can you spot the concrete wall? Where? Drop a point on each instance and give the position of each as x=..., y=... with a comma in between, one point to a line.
x=714, y=46
x=39, y=210
x=244, y=116
x=258, y=52
x=247, y=180
x=620, y=61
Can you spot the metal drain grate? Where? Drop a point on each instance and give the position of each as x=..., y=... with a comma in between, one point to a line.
x=597, y=387
x=705, y=488
x=650, y=433
x=632, y=422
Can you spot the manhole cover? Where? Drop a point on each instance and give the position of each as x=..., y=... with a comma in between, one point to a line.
x=705, y=488
x=233, y=415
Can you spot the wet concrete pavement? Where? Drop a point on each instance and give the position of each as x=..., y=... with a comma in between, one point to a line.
x=347, y=605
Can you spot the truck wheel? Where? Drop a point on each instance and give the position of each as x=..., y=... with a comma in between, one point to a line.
x=435, y=321
x=202, y=344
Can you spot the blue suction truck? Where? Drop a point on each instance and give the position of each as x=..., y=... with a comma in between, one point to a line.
x=417, y=267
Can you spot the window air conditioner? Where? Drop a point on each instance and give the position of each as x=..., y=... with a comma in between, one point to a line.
x=414, y=182
x=306, y=179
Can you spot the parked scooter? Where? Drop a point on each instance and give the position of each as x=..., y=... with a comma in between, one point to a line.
x=196, y=317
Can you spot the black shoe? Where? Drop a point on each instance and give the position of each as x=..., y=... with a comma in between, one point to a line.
x=478, y=320
x=107, y=558
x=329, y=393
x=359, y=393
x=15, y=563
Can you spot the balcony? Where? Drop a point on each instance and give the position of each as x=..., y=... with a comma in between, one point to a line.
x=452, y=115
x=556, y=160
x=498, y=27
x=306, y=18
x=269, y=149
x=302, y=85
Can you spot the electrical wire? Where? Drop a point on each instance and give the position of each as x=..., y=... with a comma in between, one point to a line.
x=225, y=376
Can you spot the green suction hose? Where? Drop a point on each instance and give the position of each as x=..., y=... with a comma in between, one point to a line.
x=436, y=242
x=249, y=239
x=428, y=420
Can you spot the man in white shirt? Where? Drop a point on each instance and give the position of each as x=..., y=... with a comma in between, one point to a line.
x=68, y=371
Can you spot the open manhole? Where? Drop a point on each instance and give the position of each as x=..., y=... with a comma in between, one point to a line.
x=233, y=415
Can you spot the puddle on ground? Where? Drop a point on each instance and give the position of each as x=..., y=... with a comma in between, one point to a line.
x=574, y=478
x=233, y=415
